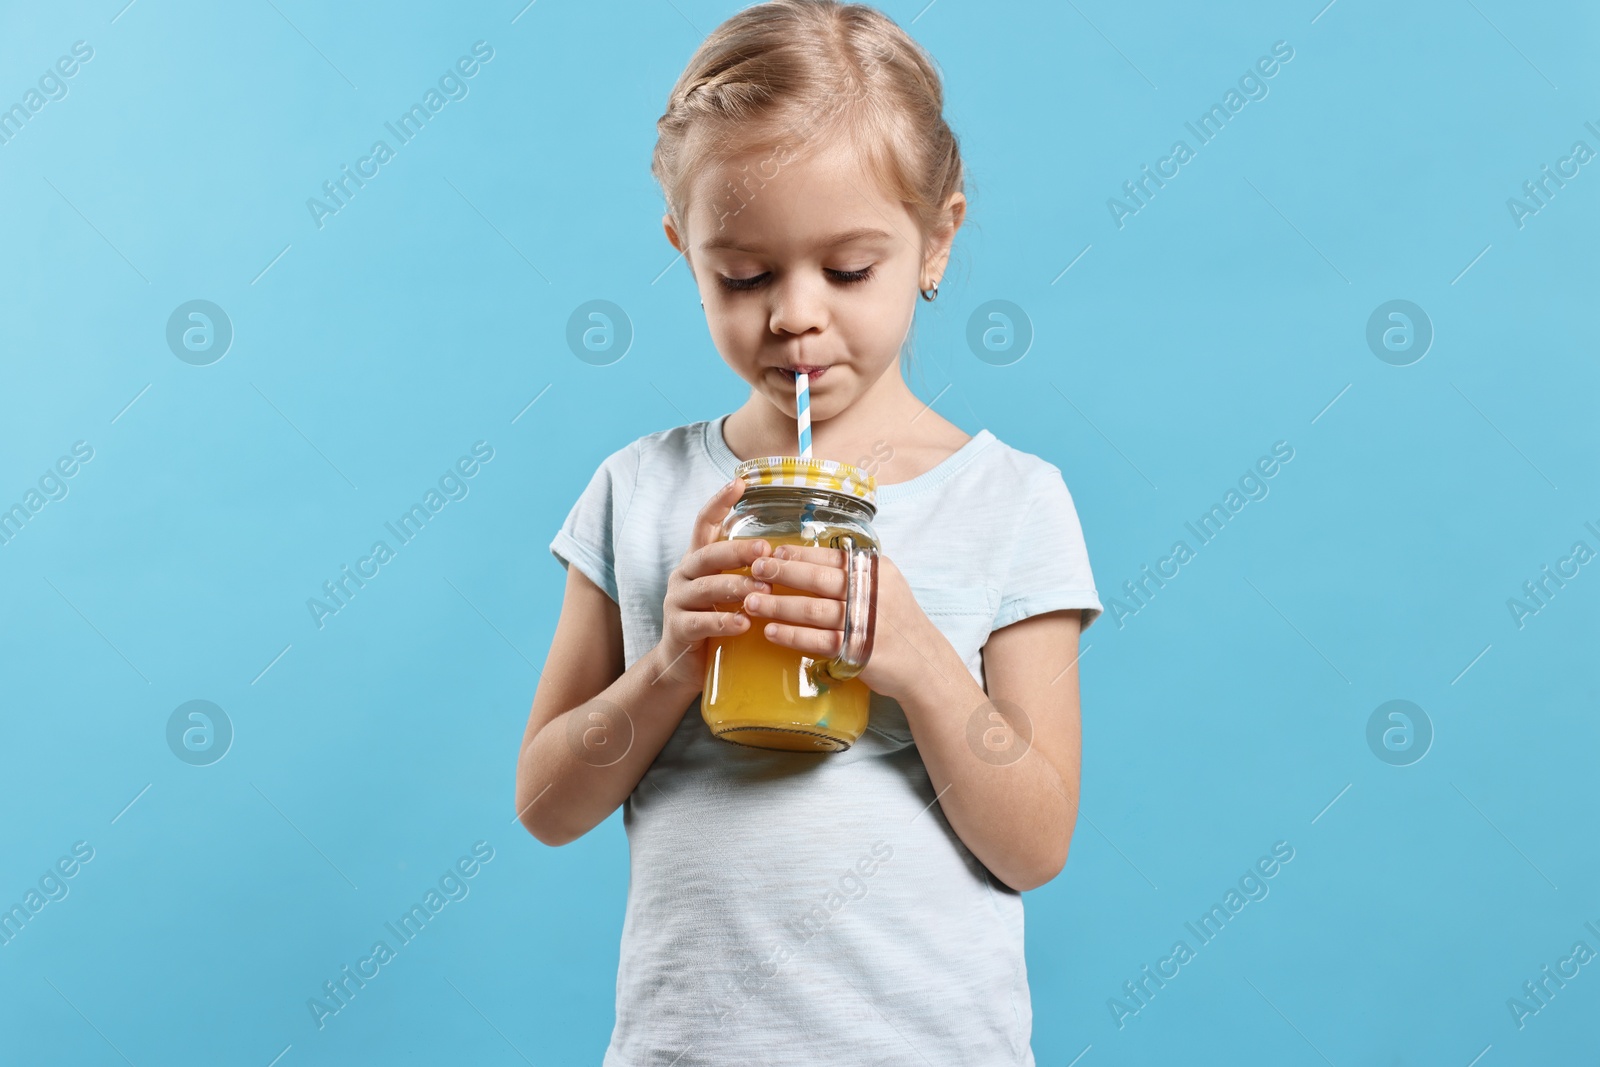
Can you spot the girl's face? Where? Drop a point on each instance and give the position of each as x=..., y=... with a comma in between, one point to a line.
x=803, y=263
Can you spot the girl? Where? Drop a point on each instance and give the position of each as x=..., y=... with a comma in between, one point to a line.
x=860, y=907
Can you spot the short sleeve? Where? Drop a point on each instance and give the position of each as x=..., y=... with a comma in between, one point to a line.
x=1049, y=568
x=587, y=539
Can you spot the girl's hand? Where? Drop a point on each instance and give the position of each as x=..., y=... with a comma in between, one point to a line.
x=814, y=625
x=701, y=601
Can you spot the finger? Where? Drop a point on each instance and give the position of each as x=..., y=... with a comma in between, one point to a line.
x=820, y=612
x=819, y=644
x=699, y=625
x=721, y=592
x=719, y=556
x=823, y=580
x=827, y=557
x=708, y=522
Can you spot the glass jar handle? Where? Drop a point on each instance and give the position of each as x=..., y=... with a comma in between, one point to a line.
x=860, y=609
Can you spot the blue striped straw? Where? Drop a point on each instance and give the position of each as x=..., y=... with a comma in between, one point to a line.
x=802, y=404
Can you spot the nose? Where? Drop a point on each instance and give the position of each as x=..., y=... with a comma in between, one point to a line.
x=799, y=305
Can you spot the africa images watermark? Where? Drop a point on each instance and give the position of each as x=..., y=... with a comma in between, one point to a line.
x=802, y=928
x=52, y=85
x=52, y=486
x=1252, y=86
x=1539, y=591
x=1540, y=191
x=734, y=195
x=1538, y=994
x=1252, y=887
x=337, y=993
x=1252, y=486
x=452, y=85
x=52, y=887
x=452, y=486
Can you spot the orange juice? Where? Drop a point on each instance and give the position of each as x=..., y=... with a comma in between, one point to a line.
x=768, y=696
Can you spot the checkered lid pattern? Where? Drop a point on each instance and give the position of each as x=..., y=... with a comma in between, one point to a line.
x=815, y=473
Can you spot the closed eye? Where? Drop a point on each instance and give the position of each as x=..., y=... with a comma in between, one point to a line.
x=849, y=276
x=844, y=277
x=740, y=284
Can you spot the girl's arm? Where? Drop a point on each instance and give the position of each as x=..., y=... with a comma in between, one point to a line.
x=1012, y=803
x=1016, y=815
x=594, y=728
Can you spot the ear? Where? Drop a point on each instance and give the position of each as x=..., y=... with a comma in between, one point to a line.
x=671, y=229
x=939, y=242
x=678, y=240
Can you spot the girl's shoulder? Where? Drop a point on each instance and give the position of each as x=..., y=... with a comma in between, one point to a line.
x=1000, y=463
x=664, y=461
x=676, y=444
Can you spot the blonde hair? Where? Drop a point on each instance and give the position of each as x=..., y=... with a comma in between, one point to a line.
x=796, y=74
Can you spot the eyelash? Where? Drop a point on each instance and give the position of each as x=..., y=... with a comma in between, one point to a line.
x=844, y=277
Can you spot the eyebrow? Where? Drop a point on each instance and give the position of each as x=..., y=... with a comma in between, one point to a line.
x=847, y=237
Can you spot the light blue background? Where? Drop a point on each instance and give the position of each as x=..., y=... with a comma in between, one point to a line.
x=369, y=354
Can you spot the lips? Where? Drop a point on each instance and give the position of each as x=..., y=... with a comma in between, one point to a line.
x=813, y=372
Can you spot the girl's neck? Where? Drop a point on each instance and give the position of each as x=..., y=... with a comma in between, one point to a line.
x=887, y=430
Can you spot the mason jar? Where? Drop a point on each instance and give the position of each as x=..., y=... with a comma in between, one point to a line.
x=768, y=696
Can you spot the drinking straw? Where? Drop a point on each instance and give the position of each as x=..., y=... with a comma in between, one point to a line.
x=802, y=404
x=802, y=418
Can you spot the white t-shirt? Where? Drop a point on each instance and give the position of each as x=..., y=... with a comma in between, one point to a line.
x=805, y=908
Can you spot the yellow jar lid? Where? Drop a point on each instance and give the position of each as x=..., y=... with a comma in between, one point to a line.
x=812, y=473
